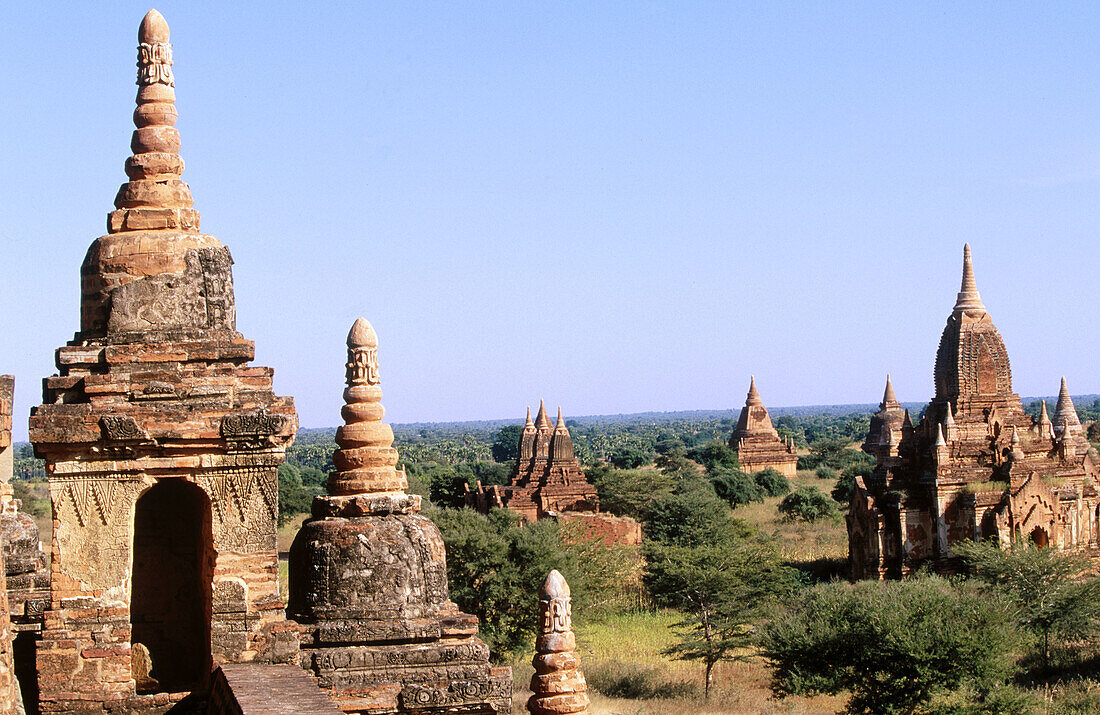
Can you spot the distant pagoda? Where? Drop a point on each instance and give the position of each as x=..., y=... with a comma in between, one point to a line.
x=976, y=467
x=546, y=476
x=757, y=442
x=547, y=482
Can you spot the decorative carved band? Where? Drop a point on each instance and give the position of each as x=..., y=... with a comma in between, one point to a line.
x=155, y=64
x=251, y=424
x=121, y=428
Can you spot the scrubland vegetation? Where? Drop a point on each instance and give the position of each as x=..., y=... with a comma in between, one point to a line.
x=736, y=602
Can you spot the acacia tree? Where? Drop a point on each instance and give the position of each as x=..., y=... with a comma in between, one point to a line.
x=1054, y=597
x=722, y=589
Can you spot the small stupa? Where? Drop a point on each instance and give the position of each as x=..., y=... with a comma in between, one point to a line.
x=757, y=442
x=558, y=685
x=368, y=578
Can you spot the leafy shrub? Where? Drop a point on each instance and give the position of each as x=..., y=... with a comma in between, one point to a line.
x=735, y=487
x=807, y=504
x=827, y=473
x=772, y=482
x=894, y=645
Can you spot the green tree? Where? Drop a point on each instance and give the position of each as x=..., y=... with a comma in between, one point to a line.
x=734, y=486
x=505, y=447
x=893, y=645
x=628, y=458
x=772, y=482
x=715, y=454
x=722, y=588
x=1053, y=591
x=294, y=497
x=692, y=515
x=627, y=492
x=808, y=504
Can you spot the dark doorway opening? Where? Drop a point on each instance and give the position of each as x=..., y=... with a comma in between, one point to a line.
x=1039, y=537
x=170, y=590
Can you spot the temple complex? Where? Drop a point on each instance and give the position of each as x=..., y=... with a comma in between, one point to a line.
x=976, y=466
x=756, y=442
x=558, y=686
x=547, y=482
x=546, y=477
x=161, y=445
x=368, y=578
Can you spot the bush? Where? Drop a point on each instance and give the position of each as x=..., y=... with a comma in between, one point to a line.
x=735, y=487
x=807, y=504
x=894, y=645
x=827, y=473
x=772, y=482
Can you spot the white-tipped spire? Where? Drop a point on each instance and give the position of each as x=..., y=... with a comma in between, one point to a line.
x=940, y=442
x=968, y=298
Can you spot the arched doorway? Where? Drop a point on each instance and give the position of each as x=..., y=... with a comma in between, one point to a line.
x=170, y=588
x=1039, y=537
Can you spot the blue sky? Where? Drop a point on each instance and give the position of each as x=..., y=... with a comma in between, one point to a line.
x=614, y=206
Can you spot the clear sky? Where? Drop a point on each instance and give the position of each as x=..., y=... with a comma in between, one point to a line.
x=615, y=206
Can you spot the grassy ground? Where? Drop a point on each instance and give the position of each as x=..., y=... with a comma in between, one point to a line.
x=623, y=653
x=823, y=543
x=285, y=539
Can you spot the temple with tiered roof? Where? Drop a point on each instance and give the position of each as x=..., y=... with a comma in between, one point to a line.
x=976, y=466
x=757, y=442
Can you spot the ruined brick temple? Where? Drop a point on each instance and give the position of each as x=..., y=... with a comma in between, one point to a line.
x=547, y=482
x=756, y=441
x=368, y=578
x=161, y=445
x=976, y=466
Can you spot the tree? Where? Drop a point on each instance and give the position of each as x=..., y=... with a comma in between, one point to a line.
x=1053, y=594
x=846, y=482
x=627, y=492
x=505, y=447
x=721, y=588
x=294, y=497
x=691, y=516
x=772, y=482
x=808, y=504
x=734, y=486
x=894, y=645
x=715, y=454
x=628, y=458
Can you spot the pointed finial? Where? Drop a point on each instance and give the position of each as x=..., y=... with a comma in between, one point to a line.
x=1015, y=436
x=968, y=298
x=542, y=421
x=889, y=399
x=560, y=423
x=365, y=460
x=154, y=198
x=753, y=398
x=949, y=418
x=906, y=420
x=940, y=442
x=558, y=685
x=528, y=423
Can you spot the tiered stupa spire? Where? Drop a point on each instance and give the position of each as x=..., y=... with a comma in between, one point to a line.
x=1065, y=414
x=968, y=298
x=366, y=460
x=155, y=197
x=889, y=399
x=542, y=420
x=558, y=684
x=753, y=397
